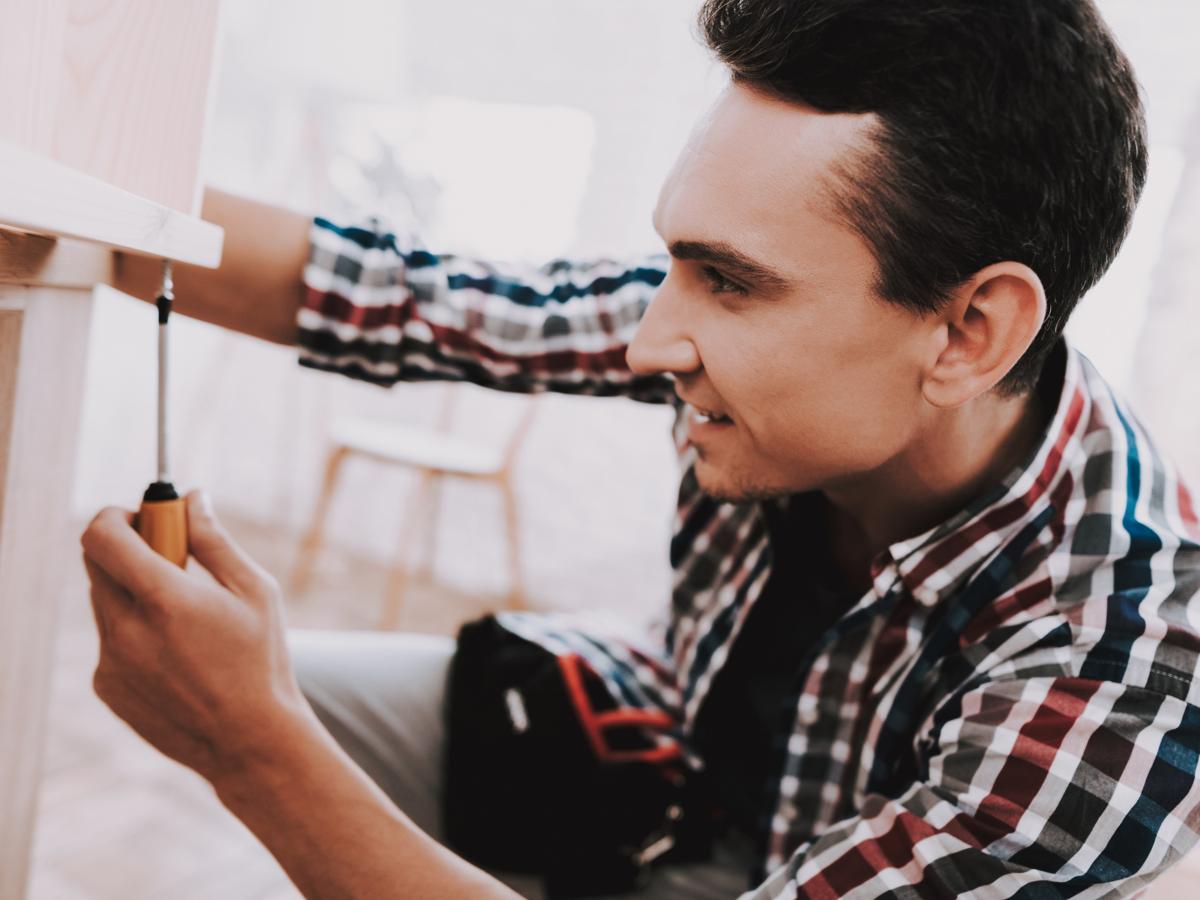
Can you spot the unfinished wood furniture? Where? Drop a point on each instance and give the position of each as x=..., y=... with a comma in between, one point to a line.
x=102, y=115
x=435, y=454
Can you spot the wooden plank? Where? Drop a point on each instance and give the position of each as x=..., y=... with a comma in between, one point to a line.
x=34, y=259
x=121, y=90
x=41, y=195
x=43, y=349
x=12, y=315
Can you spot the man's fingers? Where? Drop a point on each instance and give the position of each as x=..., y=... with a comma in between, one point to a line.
x=112, y=543
x=117, y=618
x=101, y=586
x=98, y=577
x=214, y=549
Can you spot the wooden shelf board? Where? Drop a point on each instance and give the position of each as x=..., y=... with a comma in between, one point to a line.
x=43, y=196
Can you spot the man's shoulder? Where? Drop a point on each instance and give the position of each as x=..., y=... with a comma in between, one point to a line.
x=1128, y=500
x=1119, y=558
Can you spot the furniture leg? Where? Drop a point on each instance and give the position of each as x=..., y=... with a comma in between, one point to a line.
x=310, y=545
x=398, y=578
x=516, y=597
x=429, y=560
x=43, y=350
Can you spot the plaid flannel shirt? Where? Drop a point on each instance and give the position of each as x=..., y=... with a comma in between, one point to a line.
x=1011, y=709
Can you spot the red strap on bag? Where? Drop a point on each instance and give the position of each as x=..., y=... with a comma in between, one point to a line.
x=595, y=723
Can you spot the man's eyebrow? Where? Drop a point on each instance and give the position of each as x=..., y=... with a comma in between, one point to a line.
x=730, y=258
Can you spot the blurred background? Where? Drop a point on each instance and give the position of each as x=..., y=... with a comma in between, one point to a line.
x=523, y=130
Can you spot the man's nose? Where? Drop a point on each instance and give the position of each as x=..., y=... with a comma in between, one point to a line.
x=662, y=343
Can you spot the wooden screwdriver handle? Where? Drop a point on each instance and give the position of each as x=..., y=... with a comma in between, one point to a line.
x=163, y=525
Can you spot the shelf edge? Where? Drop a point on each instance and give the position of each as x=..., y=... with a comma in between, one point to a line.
x=44, y=196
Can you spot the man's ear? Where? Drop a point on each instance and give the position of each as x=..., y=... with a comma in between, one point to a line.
x=988, y=325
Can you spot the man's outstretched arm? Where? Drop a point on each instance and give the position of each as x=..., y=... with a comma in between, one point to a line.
x=258, y=287
x=380, y=307
x=359, y=299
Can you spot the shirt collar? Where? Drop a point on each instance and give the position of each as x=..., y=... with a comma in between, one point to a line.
x=933, y=564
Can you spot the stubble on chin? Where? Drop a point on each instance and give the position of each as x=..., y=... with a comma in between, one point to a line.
x=733, y=488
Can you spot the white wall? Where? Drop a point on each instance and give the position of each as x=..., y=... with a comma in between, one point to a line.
x=302, y=86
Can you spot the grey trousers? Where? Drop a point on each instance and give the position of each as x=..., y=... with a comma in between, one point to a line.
x=381, y=693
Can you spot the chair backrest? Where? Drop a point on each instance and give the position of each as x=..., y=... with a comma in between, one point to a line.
x=517, y=438
x=450, y=399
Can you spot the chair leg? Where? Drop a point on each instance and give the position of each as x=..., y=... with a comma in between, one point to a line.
x=310, y=544
x=429, y=559
x=516, y=597
x=398, y=577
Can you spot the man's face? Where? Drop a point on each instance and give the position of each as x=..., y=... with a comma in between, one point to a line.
x=817, y=378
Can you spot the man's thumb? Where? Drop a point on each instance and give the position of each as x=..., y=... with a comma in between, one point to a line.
x=214, y=549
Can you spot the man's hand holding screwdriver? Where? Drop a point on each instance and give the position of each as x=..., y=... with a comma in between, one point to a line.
x=197, y=667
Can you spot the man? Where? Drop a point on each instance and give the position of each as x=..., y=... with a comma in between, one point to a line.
x=933, y=625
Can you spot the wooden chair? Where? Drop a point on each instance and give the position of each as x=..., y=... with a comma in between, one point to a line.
x=435, y=453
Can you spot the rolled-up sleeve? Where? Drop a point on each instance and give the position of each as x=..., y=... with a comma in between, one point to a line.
x=380, y=308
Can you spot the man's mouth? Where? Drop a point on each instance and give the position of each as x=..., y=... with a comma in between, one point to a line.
x=709, y=417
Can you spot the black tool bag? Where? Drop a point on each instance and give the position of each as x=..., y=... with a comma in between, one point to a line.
x=544, y=775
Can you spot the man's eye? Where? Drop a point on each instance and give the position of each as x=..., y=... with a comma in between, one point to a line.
x=720, y=284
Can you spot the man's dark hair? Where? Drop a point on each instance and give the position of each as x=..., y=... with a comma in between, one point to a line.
x=1010, y=130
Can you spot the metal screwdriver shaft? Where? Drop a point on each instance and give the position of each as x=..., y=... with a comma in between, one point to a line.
x=165, y=298
x=162, y=519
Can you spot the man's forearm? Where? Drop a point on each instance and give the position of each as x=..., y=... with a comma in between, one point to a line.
x=335, y=833
x=257, y=288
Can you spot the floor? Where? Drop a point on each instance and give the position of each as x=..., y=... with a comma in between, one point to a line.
x=117, y=821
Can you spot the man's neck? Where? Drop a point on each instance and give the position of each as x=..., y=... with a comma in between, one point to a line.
x=959, y=455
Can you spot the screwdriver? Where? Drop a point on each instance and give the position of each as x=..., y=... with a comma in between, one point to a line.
x=162, y=519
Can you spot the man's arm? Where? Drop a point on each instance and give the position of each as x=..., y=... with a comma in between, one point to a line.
x=336, y=834
x=380, y=307
x=365, y=302
x=199, y=668
x=258, y=287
